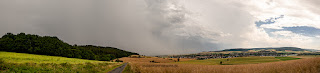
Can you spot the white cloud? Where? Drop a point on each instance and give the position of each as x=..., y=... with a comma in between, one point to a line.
x=296, y=13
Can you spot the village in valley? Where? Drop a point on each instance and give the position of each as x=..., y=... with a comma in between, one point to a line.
x=240, y=52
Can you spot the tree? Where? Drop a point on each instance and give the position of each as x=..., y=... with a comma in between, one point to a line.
x=47, y=45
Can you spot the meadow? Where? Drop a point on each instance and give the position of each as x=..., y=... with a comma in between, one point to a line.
x=286, y=58
x=22, y=62
x=234, y=65
x=12, y=57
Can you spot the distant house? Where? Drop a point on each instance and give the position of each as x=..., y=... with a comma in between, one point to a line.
x=288, y=50
x=264, y=51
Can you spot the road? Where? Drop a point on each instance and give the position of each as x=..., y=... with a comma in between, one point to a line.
x=119, y=69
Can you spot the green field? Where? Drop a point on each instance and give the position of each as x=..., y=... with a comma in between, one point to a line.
x=22, y=62
x=286, y=58
x=25, y=58
x=236, y=61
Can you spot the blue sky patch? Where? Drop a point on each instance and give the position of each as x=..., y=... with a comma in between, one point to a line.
x=268, y=21
x=302, y=30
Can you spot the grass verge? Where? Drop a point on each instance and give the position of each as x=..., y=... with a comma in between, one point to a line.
x=128, y=69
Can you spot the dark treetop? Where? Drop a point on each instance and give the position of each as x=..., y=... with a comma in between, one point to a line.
x=47, y=45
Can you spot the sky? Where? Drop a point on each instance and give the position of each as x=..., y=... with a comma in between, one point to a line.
x=166, y=27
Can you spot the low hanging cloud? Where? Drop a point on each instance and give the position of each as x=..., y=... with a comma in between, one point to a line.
x=159, y=27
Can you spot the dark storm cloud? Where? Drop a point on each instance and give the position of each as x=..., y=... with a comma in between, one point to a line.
x=150, y=27
x=138, y=26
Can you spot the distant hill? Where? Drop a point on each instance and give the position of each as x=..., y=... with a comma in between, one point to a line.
x=277, y=49
x=47, y=45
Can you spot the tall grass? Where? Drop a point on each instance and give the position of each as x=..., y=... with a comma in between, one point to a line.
x=56, y=68
x=310, y=65
x=147, y=60
x=11, y=62
x=13, y=57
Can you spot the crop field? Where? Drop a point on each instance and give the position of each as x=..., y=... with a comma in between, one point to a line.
x=309, y=65
x=147, y=60
x=236, y=61
x=231, y=61
x=233, y=65
x=22, y=62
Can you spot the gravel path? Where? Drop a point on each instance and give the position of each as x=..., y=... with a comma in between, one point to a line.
x=119, y=69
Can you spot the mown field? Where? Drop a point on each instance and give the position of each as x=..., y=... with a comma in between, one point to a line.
x=22, y=62
x=234, y=65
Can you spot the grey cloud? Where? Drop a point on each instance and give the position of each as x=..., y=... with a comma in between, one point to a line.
x=148, y=27
x=312, y=5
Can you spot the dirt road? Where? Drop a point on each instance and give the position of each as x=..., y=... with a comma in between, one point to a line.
x=119, y=69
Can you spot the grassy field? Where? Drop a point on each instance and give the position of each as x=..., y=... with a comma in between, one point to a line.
x=306, y=56
x=308, y=65
x=22, y=62
x=25, y=58
x=286, y=58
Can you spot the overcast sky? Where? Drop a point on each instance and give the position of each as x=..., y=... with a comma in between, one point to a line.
x=159, y=27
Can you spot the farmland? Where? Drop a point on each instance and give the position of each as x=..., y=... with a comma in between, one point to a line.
x=232, y=61
x=25, y=58
x=286, y=58
x=234, y=65
x=147, y=60
x=22, y=62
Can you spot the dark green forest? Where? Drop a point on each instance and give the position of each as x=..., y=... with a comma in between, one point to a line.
x=47, y=45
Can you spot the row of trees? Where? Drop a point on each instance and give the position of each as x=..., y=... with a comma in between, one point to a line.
x=46, y=45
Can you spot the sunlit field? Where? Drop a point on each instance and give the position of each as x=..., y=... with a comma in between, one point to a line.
x=25, y=58
x=22, y=62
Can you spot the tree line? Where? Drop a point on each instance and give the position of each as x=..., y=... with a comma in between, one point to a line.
x=47, y=45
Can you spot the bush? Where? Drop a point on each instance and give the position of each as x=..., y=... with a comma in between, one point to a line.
x=119, y=60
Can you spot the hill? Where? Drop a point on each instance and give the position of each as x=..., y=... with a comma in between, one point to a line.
x=276, y=49
x=47, y=45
